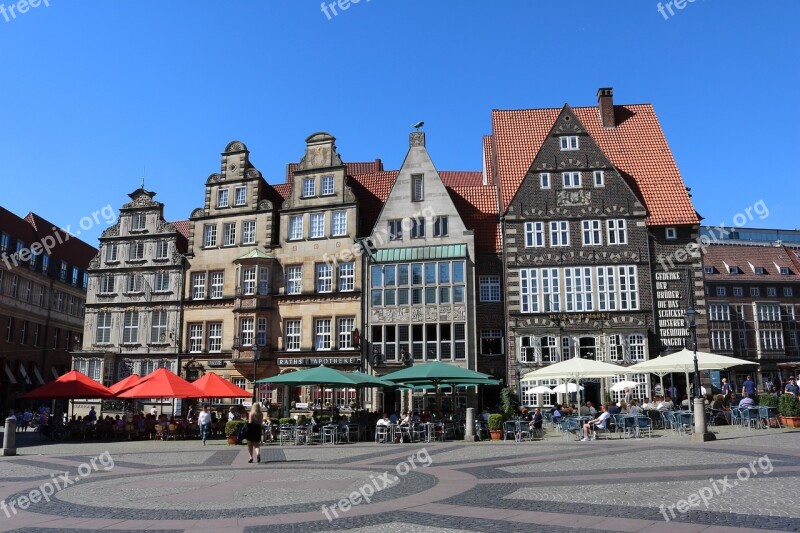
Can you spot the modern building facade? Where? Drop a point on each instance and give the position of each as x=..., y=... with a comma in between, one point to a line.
x=43, y=279
x=133, y=311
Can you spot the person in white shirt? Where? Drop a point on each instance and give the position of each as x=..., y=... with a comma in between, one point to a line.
x=665, y=405
x=747, y=401
x=204, y=422
x=598, y=423
x=384, y=421
x=154, y=411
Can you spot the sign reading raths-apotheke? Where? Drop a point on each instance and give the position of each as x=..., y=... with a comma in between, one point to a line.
x=316, y=361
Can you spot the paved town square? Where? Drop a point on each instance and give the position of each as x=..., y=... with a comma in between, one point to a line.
x=745, y=480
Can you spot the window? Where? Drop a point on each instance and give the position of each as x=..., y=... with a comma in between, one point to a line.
x=135, y=251
x=292, y=332
x=578, y=288
x=768, y=312
x=417, y=228
x=721, y=340
x=75, y=276
x=138, y=221
x=248, y=232
x=534, y=234
x=559, y=233
x=568, y=142
x=4, y=240
x=755, y=291
x=107, y=284
x=249, y=280
x=215, y=337
x=544, y=180
x=27, y=291
x=222, y=198
x=708, y=270
x=719, y=312
x=195, y=338
x=787, y=291
x=772, y=292
x=592, y=234
x=309, y=187
x=734, y=270
x=198, y=285
x=339, y=223
x=489, y=288
x=247, y=333
x=240, y=196
x=491, y=342
x=616, y=231
x=572, y=180
x=158, y=327
x=417, y=190
x=396, y=230
x=671, y=234
x=324, y=278
x=317, y=225
x=345, y=331
x=10, y=329
x=90, y=367
x=229, y=234
x=102, y=331
x=209, y=235
x=261, y=332
x=737, y=291
x=785, y=271
x=45, y=263
x=161, y=282
x=599, y=178
x=263, y=280
x=295, y=227
x=440, y=227
x=134, y=283
x=217, y=285
x=759, y=270
x=720, y=291
x=111, y=253
x=130, y=328
x=294, y=280
x=770, y=339
x=636, y=347
x=327, y=185
x=347, y=277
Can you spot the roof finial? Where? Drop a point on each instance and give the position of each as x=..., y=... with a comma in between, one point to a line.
x=144, y=173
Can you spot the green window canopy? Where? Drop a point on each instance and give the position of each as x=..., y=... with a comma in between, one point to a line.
x=420, y=253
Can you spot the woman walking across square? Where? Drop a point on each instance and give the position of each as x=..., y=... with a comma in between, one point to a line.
x=253, y=435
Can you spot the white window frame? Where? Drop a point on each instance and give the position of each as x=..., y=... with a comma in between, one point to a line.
x=195, y=340
x=107, y=282
x=559, y=233
x=248, y=232
x=721, y=291
x=544, y=180
x=135, y=252
x=571, y=179
x=214, y=341
x=216, y=285
x=198, y=285
x=671, y=234
x=240, y=196
x=316, y=225
x=249, y=280
x=323, y=278
x=294, y=279
x=209, y=236
x=738, y=291
x=534, y=235
x=568, y=142
x=130, y=327
x=111, y=253
x=616, y=231
x=592, y=232
x=322, y=334
x=599, y=178
x=345, y=327
x=347, y=276
x=138, y=221
x=292, y=332
x=247, y=331
x=327, y=185
x=102, y=329
x=339, y=223
x=295, y=227
x=158, y=326
x=229, y=234
x=309, y=189
x=222, y=198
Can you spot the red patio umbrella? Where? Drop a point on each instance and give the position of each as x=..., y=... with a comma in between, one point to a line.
x=71, y=385
x=214, y=386
x=125, y=384
x=162, y=384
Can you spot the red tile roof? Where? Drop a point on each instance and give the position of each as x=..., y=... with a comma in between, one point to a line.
x=747, y=257
x=637, y=147
x=489, y=159
x=358, y=167
x=460, y=178
x=183, y=228
x=477, y=206
x=372, y=190
x=283, y=189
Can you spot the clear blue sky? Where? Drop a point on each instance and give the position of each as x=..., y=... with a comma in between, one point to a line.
x=92, y=92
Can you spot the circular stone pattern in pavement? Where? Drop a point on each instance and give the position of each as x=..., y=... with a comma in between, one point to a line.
x=227, y=493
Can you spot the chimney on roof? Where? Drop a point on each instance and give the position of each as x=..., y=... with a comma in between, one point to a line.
x=605, y=105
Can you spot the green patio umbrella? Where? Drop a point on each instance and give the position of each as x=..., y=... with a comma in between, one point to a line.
x=436, y=374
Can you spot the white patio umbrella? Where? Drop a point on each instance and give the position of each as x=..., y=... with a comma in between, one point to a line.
x=576, y=369
x=566, y=387
x=683, y=361
x=622, y=385
x=539, y=389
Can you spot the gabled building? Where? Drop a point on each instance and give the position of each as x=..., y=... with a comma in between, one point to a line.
x=42, y=299
x=133, y=311
x=229, y=319
x=599, y=236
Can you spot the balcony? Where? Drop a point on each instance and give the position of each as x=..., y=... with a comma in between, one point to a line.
x=250, y=302
x=247, y=352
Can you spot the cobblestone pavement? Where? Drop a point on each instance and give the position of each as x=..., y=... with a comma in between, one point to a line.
x=744, y=481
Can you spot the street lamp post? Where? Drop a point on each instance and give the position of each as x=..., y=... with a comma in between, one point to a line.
x=517, y=367
x=256, y=357
x=701, y=433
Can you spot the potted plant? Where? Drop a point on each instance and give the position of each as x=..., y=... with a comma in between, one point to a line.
x=287, y=420
x=789, y=410
x=510, y=402
x=232, y=429
x=768, y=400
x=496, y=426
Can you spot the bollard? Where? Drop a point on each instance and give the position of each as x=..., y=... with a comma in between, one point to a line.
x=469, y=428
x=10, y=436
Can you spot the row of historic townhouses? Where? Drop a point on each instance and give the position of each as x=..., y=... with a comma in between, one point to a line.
x=421, y=278
x=319, y=275
x=42, y=298
x=229, y=312
x=133, y=311
x=752, y=304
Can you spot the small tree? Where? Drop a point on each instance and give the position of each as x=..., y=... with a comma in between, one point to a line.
x=768, y=400
x=789, y=405
x=510, y=402
x=495, y=422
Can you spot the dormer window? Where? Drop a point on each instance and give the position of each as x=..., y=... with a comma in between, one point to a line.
x=708, y=270
x=544, y=180
x=138, y=221
x=785, y=271
x=327, y=185
x=671, y=234
x=569, y=142
x=734, y=270
x=309, y=187
x=759, y=270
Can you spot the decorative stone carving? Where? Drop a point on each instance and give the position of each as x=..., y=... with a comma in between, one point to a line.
x=95, y=262
x=199, y=212
x=213, y=178
x=162, y=226
x=567, y=198
x=253, y=173
x=417, y=138
x=265, y=205
x=235, y=146
x=113, y=231
x=459, y=313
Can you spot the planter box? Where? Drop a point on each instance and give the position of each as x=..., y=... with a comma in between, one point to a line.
x=790, y=421
x=497, y=434
x=232, y=439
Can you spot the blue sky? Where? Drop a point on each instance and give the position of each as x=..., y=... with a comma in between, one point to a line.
x=93, y=92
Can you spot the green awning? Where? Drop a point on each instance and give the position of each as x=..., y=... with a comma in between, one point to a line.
x=420, y=253
x=255, y=253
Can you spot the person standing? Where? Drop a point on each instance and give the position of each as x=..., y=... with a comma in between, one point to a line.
x=726, y=389
x=204, y=422
x=749, y=387
x=791, y=387
x=26, y=419
x=253, y=435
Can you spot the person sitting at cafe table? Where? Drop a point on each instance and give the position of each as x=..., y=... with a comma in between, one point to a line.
x=665, y=404
x=612, y=409
x=747, y=401
x=623, y=407
x=384, y=421
x=536, y=420
x=598, y=423
x=634, y=408
x=407, y=420
x=722, y=414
